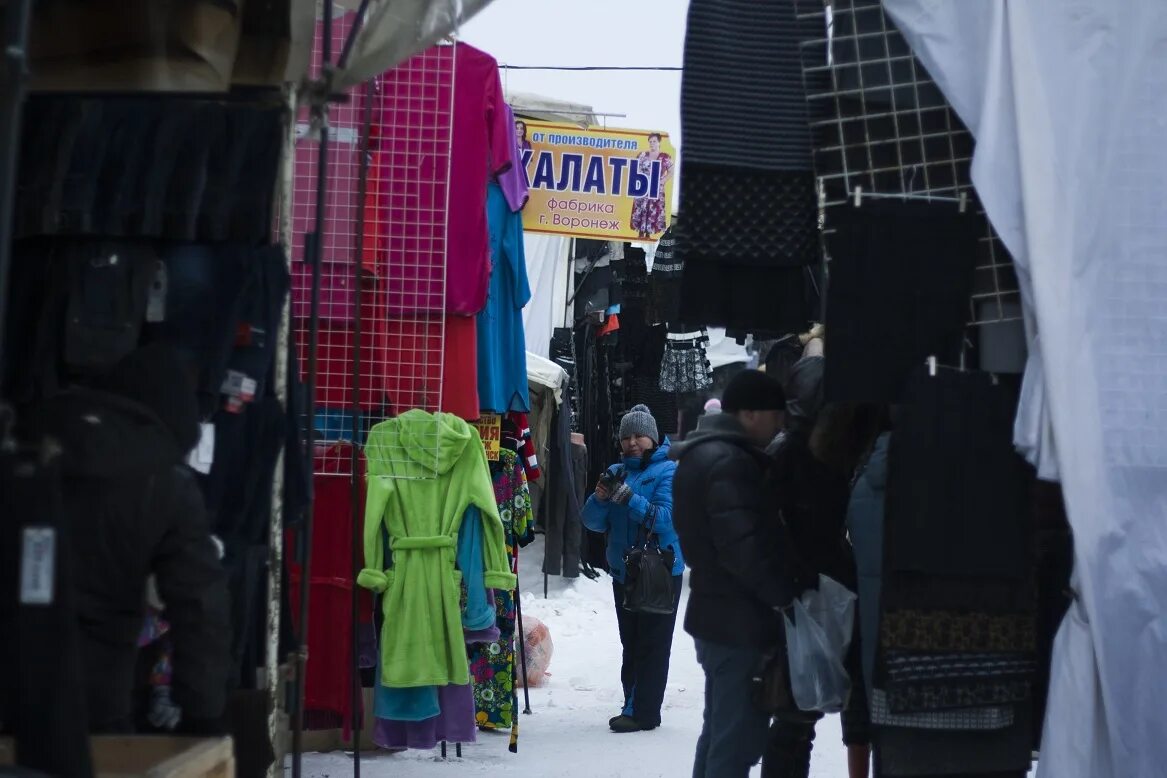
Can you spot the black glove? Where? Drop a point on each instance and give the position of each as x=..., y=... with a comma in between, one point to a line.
x=622, y=494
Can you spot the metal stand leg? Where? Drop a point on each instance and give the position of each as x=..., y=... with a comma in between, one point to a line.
x=522, y=645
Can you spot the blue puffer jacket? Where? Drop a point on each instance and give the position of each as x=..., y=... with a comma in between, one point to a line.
x=651, y=484
x=865, y=526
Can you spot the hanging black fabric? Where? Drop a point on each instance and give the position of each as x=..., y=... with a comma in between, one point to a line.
x=664, y=282
x=747, y=299
x=957, y=499
x=748, y=220
x=748, y=190
x=42, y=698
x=178, y=168
x=900, y=283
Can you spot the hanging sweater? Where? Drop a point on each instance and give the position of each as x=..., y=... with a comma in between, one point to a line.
x=425, y=471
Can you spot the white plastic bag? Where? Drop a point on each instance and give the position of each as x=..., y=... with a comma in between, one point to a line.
x=539, y=651
x=816, y=642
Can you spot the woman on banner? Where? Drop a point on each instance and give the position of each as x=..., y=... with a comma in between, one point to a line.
x=648, y=213
x=521, y=134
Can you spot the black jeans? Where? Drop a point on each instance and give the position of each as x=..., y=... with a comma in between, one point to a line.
x=648, y=643
x=788, y=750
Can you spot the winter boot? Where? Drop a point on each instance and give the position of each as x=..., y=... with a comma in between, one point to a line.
x=625, y=724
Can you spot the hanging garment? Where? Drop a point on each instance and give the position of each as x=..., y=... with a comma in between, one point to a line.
x=516, y=430
x=442, y=157
x=492, y=665
x=454, y=722
x=748, y=299
x=665, y=280
x=417, y=704
x=329, y=683
x=633, y=277
x=513, y=181
x=685, y=367
x=933, y=753
x=205, y=288
x=947, y=643
x=502, y=348
x=901, y=280
x=748, y=187
x=957, y=495
x=425, y=470
x=562, y=527
x=172, y=167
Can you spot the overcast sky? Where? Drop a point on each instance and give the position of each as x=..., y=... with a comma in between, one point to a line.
x=595, y=32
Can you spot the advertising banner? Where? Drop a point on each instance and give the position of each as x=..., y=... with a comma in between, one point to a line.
x=490, y=430
x=597, y=183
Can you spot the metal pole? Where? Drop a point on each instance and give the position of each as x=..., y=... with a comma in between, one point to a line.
x=17, y=20
x=320, y=110
x=522, y=636
x=355, y=456
x=275, y=539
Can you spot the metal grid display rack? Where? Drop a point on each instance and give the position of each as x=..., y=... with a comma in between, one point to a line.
x=368, y=221
x=383, y=253
x=882, y=128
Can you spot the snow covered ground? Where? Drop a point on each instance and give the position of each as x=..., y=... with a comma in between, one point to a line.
x=567, y=734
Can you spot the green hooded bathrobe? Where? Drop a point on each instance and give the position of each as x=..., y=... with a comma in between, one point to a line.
x=424, y=471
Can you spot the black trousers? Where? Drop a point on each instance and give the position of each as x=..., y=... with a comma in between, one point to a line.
x=647, y=639
x=788, y=750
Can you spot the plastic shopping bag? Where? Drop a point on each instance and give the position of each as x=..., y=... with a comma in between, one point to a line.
x=817, y=640
x=539, y=651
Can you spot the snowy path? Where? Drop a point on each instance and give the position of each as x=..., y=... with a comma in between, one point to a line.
x=568, y=737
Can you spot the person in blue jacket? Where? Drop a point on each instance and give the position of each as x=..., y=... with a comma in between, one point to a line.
x=632, y=497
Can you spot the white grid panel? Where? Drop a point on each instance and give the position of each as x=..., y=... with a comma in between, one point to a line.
x=396, y=234
x=881, y=123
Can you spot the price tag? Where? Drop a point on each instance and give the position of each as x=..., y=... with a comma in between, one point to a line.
x=156, y=298
x=490, y=430
x=202, y=457
x=38, y=565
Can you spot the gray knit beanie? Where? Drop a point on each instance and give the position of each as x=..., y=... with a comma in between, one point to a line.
x=637, y=422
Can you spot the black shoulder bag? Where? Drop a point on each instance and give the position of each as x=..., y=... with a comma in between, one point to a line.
x=648, y=577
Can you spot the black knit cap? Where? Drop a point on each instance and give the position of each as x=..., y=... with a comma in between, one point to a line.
x=753, y=390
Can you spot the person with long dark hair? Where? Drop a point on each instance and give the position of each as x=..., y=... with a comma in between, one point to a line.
x=521, y=134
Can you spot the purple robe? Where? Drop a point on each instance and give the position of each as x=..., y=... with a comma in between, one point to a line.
x=513, y=181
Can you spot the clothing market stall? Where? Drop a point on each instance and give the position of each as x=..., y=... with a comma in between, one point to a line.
x=420, y=409
x=146, y=181
x=1063, y=168
x=873, y=227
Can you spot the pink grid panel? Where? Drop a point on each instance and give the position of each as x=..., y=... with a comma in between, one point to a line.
x=404, y=346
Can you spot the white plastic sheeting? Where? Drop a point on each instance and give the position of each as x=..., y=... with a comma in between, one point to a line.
x=395, y=30
x=1068, y=104
x=549, y=274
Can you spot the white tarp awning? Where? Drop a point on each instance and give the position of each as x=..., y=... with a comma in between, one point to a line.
x=395, y=30
x=1067, y=104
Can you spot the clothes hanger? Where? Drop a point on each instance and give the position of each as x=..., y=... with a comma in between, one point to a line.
x=857, y=196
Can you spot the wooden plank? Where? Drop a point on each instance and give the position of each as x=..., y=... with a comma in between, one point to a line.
x=151, y=756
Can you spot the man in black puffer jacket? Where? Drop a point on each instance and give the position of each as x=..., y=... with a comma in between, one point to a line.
x=727, y=517
x=134, y=509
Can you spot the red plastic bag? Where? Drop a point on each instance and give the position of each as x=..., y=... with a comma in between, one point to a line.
x=539, y=651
